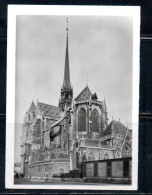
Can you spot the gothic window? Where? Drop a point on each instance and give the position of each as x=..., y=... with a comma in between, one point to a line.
x=93, y=158
x=42, y=138
x=66, y=96
x=29, y=117
x=106, y=156
x=95, y=121
x=101, y=156
x=61, y=155
x=84, y=158
x=77, y=160
x=126, y=151
x=52, y=156
x=76, y=143
x=39, y=169
x=89, y=158
x=116, y=155
x=82, y=120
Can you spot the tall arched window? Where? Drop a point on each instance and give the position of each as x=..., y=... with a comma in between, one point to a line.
x=82, y=120
x=77, y=160
x=29, y=117
x=126, y=151
x=106, y=156
x=95, y=121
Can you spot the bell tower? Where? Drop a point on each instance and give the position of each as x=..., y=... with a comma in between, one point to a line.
x=66, y=89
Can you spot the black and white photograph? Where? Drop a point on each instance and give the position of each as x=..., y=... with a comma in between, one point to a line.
x=72, y=97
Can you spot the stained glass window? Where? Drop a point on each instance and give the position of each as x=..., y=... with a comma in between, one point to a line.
x=29, y=117
x=82, y=120
x=95, y=121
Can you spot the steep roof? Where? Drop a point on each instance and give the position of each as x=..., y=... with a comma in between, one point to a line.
x=94, y=96
x=116, y=127
x=49, y=110
x=84, y=95
x=32, y=107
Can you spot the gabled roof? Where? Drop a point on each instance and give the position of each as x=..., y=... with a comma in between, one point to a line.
x=116, y=127
x=49, y=110
x=94, y=96
x=84, y=95
x=32, y=107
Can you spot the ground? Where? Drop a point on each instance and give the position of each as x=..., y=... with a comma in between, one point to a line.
x=55, y=182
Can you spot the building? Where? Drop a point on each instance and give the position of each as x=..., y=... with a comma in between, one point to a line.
x=57, y=139
x=17, y=168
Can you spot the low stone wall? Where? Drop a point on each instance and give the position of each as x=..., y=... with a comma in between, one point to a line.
x=108, y=180
x=40, y=175
x=47, y=169
x=108, y=171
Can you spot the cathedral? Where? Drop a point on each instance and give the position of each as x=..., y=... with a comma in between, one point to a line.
x=58, y=139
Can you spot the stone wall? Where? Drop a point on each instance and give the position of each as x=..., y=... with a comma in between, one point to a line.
x=108, y=171
x=50, y=169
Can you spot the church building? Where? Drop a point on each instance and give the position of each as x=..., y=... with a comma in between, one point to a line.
x=58, y=139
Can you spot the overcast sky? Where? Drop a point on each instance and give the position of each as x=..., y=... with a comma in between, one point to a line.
x=100, y=47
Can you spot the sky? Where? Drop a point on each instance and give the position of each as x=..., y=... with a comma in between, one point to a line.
x=100, y=54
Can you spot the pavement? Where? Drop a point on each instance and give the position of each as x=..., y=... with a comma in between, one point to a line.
x=54, y=182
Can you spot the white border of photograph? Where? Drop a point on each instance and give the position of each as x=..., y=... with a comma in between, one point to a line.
x=13, y=11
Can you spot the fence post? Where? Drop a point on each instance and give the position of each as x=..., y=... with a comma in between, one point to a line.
x=95, y=169
x=84, y=170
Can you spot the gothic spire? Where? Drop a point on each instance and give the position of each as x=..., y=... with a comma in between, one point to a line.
x=66, y=81
x=32, y=107
x=66, y=90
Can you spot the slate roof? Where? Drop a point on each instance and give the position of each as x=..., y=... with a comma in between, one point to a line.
x=84, y=95
x=94, y=96
x=32, y=107
x=116, y=127
x=49, y=110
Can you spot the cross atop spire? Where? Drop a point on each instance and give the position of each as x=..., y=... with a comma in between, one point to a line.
x=67, y=25
x=66, y=81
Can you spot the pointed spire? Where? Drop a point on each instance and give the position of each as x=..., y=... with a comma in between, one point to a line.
x=66, y=81
x=37, y=106
x=32, y=107
x=105, y=105
x=87, y=80
x=66, y=89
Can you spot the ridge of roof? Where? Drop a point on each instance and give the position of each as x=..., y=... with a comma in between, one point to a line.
x=48, y=104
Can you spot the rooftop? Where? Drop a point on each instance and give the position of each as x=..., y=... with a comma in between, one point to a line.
x=49, y=110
